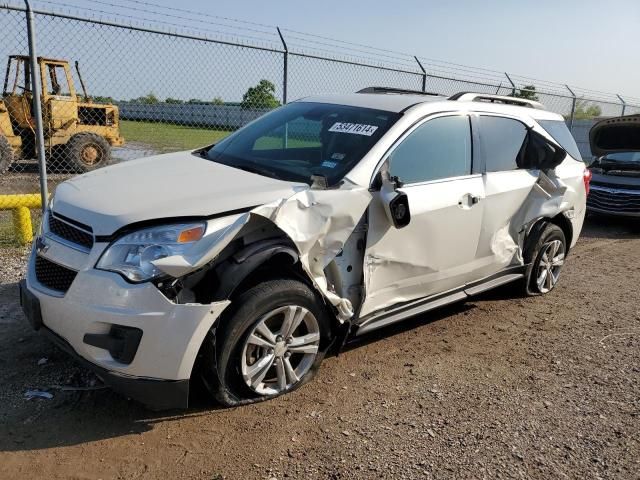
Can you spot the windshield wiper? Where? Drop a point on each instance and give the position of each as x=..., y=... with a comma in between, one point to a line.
x=257, y=170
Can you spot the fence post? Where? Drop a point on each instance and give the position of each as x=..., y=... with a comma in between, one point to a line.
x=37, y=108
x=424, y=75
x=624, y=104
x=513, y=85
x=573, y=107
x=285, y=76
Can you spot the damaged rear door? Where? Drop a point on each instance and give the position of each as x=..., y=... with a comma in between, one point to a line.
x=433, y=162
x=507, y=185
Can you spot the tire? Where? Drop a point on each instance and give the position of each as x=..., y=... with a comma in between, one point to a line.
x=546, y=253
x=244, y=363
x=6, y=154
x=86, y=152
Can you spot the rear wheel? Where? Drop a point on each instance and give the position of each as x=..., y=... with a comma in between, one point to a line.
x=271, y=344
x=6, y=154
x=87, y=151
x=547, y=259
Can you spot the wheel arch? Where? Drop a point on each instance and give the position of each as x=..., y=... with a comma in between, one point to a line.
x=536, y=229
x=566, y=226
x=255, y=262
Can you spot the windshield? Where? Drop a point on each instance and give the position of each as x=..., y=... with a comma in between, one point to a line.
x=624, y=157
x=303, y=139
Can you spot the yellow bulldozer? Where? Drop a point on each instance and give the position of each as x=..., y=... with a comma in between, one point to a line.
x=78, y=133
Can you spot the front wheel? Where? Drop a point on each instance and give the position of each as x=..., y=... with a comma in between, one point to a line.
x=547, y=259
x=270, y=344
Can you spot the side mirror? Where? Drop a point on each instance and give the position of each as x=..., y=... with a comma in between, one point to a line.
x=396, y=204
x=539, y=153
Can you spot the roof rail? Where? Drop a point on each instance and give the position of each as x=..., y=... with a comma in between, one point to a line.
x=396, y=90
x=487, y=97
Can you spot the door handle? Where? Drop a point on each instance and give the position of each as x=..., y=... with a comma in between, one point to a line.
x=468, y=200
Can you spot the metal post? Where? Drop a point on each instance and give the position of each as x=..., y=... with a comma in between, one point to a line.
x=513, y=85
x=624, y=104
x=285, y=78
x=424, y=75
x=37, y=107
x=573, y=107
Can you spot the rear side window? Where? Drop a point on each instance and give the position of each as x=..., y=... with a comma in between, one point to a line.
x=561, y=134
x=437, y=149
x=501, y=140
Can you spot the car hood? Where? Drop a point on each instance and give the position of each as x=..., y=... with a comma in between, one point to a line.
x=163, y=187
x=618, y=134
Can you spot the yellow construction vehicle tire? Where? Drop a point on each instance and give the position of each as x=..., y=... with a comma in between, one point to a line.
x=87, y=151
x=6, y=154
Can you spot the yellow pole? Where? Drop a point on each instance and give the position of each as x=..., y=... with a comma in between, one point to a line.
x=19, y=206
x=22, y=225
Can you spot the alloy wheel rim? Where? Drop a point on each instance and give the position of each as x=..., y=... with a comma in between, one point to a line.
x=280, y=350
x=549, y=266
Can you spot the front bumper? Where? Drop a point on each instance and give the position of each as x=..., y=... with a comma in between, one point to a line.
x=159, y=371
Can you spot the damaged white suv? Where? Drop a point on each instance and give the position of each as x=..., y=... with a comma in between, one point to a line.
x=244, y=262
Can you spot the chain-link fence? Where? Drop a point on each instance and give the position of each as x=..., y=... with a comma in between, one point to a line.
x=113, y=90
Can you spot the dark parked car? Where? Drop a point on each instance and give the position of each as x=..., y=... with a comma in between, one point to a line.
x=615, y=185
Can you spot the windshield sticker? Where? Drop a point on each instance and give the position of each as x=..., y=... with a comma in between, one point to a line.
x=338, y=156
x=353, y=128
x=328, y=164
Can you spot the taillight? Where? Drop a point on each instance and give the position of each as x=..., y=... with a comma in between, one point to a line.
x=587, y=179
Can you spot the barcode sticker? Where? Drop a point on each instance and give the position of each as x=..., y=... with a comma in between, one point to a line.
x=353, y=128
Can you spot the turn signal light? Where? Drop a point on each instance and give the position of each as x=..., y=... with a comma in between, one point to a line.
x=191, y=235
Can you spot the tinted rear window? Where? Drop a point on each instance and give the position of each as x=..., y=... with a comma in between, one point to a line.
x=501, y=139
x=561, y=134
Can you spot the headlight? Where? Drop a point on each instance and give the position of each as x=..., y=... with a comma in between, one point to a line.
x=132, y=254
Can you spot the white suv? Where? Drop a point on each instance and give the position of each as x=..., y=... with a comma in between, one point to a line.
x=244, y=262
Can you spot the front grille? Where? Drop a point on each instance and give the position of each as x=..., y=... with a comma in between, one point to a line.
x=54, y=276
x=71, y=233
x=622, y=186
x=615, y=201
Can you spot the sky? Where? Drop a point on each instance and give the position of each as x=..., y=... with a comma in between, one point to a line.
x=587, y=43
x=590, y=44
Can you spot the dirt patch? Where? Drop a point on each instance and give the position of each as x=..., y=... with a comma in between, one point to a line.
x=497, y=387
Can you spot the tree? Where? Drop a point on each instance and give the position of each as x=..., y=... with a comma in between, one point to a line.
x=260, y=96
x=217, y=101
x=586, y=111
x=175, y=101
x=196, y=101
x=149, y=99
x=101, y=99
x=528, y=92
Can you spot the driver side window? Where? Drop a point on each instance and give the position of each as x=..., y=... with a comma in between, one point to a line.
x=437, y=149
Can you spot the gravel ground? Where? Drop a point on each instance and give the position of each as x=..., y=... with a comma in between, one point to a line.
x=497, y=387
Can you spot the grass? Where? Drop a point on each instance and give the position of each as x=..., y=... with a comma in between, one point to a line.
x=8, y=237
x=166, y=137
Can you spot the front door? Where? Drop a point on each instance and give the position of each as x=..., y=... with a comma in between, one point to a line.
x=437, y=250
